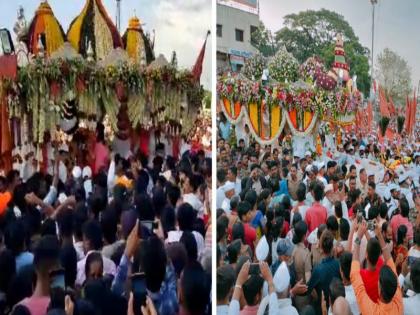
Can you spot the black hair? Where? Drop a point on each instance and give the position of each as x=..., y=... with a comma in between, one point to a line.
x=159, y=201
x=221, y=175
x=66, y=222
x=416, y=237
x=21, y=285
x=251, y=197
x=238, y=232
x=174, y=193
x=20, y=310
x=373, y=250
x=225, y=281
x=383, y=210
x=332, y=223
x=415, y=275
x=243, y=208
x=388, y=283
x=299, y=232
x=154, y=260
x=234, y=170
x=301, y=192
x=109, y=225
x=195, y=286
x=190, y=244
x=222, y=224
x=286, y=203
x=14, y=237
x=8, y=269
x=336, y=289
x=327, y=242
x=46, y=254
x=372, y=185
x=90, y=259
x=277, y=228
x=373, y=212
x=405, y=208
x=345, y=264
x=401, y=234
x=80, y=217
x=233, y=251
x=338, y=209
x=251, y=288
x=344, y=229
x=308, y=310
x=68, y=260
x=144, y=207
x=234, y=201
x=48, y=227
x=318, y=192
x=186, y=216
x=92, y=231
x=168, y=219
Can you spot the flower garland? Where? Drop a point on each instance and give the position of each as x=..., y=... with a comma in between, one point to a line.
x=156, y=94
x=331, y=104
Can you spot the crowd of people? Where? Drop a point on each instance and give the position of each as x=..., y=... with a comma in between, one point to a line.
x=122, y=235
x=309, y=234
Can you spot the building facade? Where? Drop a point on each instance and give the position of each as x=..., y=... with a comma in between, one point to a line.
x=236, y=20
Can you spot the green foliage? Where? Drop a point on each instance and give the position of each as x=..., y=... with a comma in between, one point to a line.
x=312, y=33
x=263, y=40
x=394, y=75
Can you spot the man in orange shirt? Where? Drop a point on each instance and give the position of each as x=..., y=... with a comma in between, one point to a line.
x=390, y=297
x=5, y=195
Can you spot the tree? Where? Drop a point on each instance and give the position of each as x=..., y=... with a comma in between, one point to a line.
x=394, y=75
x=312, y=33
x=263, y=40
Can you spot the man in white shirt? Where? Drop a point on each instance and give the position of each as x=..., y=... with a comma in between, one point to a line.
x=220, y=193
x=412, y=303
x=328, y=201
x=345, y=267
x=282, y=287
x=229, y=189
x=225, y=283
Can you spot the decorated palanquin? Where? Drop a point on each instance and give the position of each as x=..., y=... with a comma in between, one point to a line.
x=72, y=81
x=292, y=96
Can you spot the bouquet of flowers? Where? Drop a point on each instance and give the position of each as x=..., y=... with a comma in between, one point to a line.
x=284, y=67
x=254, y=67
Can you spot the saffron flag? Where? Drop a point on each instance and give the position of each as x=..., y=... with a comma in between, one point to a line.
x=198, y=67
x=383, y=104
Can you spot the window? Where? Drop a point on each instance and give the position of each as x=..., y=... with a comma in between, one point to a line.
x=252, y=30
x=219, y=30
x=239, y=35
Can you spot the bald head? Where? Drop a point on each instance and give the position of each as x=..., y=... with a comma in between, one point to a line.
x=341, y=307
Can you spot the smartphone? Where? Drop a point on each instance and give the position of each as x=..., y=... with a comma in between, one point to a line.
x=359, y=217
x=151, y=225
x=254, y=269
x=138, y=287
x=57, y=279
x=371, y=225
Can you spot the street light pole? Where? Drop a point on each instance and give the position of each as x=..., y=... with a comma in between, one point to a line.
x=374, y=2
x=118, y=18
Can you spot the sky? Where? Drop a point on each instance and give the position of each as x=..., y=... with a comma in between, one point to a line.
x=180, y=25
x=397, y=23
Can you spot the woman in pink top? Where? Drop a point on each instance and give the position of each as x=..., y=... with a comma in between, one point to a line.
x=101, y=151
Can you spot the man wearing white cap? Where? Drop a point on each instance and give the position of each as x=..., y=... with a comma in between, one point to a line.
x=229, y=190
x=281, y=281
x=328, y=201
x=321, y=171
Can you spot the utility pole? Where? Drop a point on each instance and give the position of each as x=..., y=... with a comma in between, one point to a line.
x=374, y=2
x=118, y=17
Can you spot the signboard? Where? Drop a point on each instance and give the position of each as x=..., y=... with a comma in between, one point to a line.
x=250, y=6
x=240, y=53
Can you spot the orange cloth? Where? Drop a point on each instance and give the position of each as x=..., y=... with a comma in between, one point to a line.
x=366, y=305
x=4, y=201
